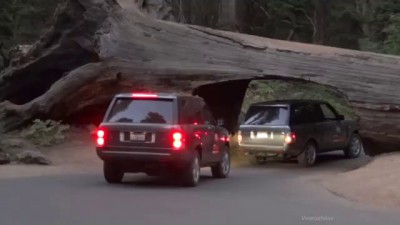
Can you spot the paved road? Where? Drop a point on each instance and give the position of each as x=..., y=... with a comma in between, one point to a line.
x=274, y=194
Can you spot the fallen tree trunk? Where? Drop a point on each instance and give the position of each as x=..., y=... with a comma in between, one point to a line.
x=98, y=48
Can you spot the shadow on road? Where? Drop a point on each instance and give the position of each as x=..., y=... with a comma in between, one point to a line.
x=139, y=180
x=329, y=162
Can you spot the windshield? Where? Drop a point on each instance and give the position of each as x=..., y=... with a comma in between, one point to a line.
x=127, y=110
x=267, y=115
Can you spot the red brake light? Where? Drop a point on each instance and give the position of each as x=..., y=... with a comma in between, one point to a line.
x=144, y=95
x=100, y=139
x=177, y=136
x=177, y=140
x=100, y=133
x=100, y=142
x=224, y=139
x=290, y=138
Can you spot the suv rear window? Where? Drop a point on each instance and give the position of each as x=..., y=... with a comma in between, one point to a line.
x=128, y=110
x=267, y=115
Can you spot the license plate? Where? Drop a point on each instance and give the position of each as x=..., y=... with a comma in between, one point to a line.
x=262, y=135
x=137, y=137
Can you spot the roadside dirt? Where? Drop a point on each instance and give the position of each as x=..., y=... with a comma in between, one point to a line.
x=76, y=155
x=377, y=183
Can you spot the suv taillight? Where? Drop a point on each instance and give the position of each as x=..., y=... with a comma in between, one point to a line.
x=290, y=138
x=177, y=140
x=100, y=137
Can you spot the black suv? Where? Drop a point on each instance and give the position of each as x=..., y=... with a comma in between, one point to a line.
x=297, y=128
x=161, y=133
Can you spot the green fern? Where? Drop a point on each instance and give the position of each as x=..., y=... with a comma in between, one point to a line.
x=45, y=133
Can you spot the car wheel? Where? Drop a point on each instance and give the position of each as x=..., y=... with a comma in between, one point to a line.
x=222, y=169
x=191, y=175
x=112, y=173
x=355, y=147
x=308, y=156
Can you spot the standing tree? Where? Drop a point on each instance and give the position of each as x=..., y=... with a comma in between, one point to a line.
x=321, y=25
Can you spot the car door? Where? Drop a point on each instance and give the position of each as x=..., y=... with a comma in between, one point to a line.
x=305, y=123
x=194, y=119
x=334, y=132
x=210, y=150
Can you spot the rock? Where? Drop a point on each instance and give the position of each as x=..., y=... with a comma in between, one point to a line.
x=32, y=157
x=4, y=158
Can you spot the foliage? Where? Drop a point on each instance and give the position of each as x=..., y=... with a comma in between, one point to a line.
x=381, y=27
x=280, y=19
x=203, y=13
x=46, y=133
x=392, y=44
x=362, y=25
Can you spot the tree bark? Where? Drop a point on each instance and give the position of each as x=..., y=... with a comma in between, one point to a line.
x=98, y=48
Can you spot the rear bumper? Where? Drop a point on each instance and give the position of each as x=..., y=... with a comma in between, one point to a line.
x=139, y=156
x=252, y=149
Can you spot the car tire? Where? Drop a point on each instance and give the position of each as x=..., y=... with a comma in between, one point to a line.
x=222, y=169
x=191, y=175
x=354, y=148
x=112, y=173
x=308, y=156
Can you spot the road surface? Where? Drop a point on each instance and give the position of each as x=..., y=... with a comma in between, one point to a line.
x=277, y=193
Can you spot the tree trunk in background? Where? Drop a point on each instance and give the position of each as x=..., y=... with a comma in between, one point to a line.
x=364, y=9
x=321, y=23
x=228, y=15
x=98, y=48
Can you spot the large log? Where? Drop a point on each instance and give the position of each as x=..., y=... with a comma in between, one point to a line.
x=98, y=48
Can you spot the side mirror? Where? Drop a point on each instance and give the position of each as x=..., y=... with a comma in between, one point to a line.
x=340, y=117
x=220, y=122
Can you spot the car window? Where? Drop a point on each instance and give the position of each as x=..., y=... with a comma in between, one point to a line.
x=305, y=114
x=327, y=112
x=190, y=112
x=128, y=110
x=267, y=115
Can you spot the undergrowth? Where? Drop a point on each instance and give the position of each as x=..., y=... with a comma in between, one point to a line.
x=45, y=133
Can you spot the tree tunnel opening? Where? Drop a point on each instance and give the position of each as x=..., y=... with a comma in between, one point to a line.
x=225, y=100
x=230, y=100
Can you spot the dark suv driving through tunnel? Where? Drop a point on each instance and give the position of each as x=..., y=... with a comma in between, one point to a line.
x=297, y=129
x=161, y=134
